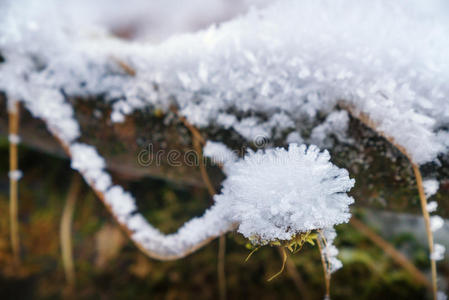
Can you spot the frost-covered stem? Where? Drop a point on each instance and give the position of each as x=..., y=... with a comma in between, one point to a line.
x=66, y=231
x=156, y=254
x=326, y=271
x=13, y=179
x=397, y=256
x=423, y=200
x=425, y=212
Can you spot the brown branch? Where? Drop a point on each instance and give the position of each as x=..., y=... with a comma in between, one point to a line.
x=397, y=256
x=425, y=212
x=13, y=182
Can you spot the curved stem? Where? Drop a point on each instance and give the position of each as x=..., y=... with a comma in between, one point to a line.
x=364, y=118
x=284, y=261
x=425, y=212
x=66, y=231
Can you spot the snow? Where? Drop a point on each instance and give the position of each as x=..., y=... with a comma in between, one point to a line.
x=219, y=152
x=14, y=139
x=277, y=193
x=330, y=251
x=88, y=162
x=430, y=187
x=336, y=124
x=436, y=222
x=294, y=59
x=432, y=206
x=15, y=175
x=441, y=295
x=438, y=252
x=281, y=69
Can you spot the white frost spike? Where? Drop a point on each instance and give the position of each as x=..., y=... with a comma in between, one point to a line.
x=430, y=187
x=219, y=152
x=14, y=139
x=441, y=296
x=87, y=161
x=121, y=202
x=432, y=206
x=277, y=193
x=438, y=252
x=436, y=222
x=15, y=175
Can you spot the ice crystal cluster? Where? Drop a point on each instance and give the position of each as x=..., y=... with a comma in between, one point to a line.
x=287, y=60
x=277, y=193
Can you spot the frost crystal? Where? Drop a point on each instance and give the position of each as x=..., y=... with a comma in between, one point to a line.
x=330, y=251
x=289, y=60
x=432, y=206
x=86, y=160
x=441, y=296
x=277, y=193
x=438, y=252
x=15, y=175
x=430, y=187
x=436, y=222
x=14, y=139
x=218, y=152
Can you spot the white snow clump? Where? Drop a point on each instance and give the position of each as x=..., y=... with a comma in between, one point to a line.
x=278, y=193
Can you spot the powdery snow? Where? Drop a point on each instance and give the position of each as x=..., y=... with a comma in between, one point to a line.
x=299, y=59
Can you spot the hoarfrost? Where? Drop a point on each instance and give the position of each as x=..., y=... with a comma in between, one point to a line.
x=277, y=193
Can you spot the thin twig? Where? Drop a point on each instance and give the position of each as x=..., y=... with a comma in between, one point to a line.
x=397, y=256
x=364, y=118
x=425, y=212
x=127, y=68
x=326, y=270
x=221, y=267
x=284, y=261
x=66, y=231
x=13, y=181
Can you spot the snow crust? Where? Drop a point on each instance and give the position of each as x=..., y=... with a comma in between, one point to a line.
x=295, y=60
